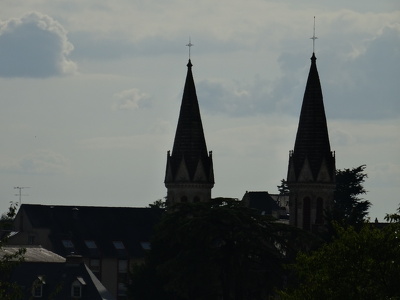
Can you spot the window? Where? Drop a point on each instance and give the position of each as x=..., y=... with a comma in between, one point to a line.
x=320, y=211
x=196, y=199
x=37, y=290
x=122, y=266
x=37, y=287
x=121, y=289
x=118, y=245
x=145, y=245
x=184, y=199
x=94, y=265
x=76, y=288
x=90, y=244
x=31, y=239
x=68, y=244
x=306, y=213
x=76, y=291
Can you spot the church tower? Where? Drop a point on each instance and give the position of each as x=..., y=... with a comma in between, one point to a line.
x=189, y=175
x=311, y=171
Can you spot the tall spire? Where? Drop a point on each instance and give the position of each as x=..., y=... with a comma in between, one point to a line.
x=312, y=139
x=311, y=170
x=189, y=175
x=189, y=138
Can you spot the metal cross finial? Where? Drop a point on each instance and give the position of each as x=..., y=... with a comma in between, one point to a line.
x=189, y=45
x=313, y=38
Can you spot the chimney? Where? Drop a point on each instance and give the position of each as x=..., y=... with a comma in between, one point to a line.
x=74, y=260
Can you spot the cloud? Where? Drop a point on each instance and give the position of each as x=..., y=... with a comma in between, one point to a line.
x=239, y=99
x=130, y=100
x=34, y=45
x=366, y=84
x=41, y=162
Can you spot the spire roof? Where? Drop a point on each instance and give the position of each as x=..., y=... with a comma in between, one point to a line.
x=312, y=139
x=189, y=143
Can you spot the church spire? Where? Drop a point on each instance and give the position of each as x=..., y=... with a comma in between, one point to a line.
x=189, y=175
x=311, y=171
x=312, y=139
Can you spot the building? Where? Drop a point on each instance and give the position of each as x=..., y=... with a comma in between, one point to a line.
x=311, y=170
x=189, y=175
x=109, y=239
x=46, y=275
x=268, y=204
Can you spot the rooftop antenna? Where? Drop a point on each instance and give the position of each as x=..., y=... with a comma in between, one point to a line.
x=20, y=188
x=313, y=38
x=190, y=45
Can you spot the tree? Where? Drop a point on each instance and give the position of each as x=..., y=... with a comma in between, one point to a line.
x=349, y=208
x=393, y=218
x=283, y=188
x=213, y=250
x=160, y=203
x=8, y=290
x=362, y=264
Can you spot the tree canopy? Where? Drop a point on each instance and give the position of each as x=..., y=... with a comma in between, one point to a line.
x=356, y=264
x=212, y=250
x=8, y=290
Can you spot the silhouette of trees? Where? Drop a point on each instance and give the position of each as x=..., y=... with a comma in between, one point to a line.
x=349, y=208
x=213, y=250
x=357, y=264
x=8, y=290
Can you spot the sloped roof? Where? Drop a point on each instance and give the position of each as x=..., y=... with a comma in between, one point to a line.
x=58, y=279
x=312, y=139
x=92, y=229
x=33, y=253
x=261, y=201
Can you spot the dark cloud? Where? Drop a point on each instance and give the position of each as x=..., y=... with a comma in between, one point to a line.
x=34, y=46
x=362, y=86
x=368, y=85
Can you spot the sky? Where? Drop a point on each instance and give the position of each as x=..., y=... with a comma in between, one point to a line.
x=90, y=94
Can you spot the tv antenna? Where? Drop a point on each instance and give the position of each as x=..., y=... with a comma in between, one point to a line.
x=313, y=38
x=190, y=45
x=20, y=188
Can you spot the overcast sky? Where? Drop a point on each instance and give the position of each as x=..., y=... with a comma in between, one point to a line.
x=90, y=93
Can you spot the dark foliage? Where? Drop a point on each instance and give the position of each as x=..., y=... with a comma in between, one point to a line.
x=213, y=250
x=349, y=208
x=356, y=264
x=283, y=188
x=8, y=290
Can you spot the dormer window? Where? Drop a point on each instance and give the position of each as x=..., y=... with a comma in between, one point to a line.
x=37, y=287
x=145, y=245
x=118, y=245
x=90, y=244
x=76, y=288
x=68, y=244
x=37, y=291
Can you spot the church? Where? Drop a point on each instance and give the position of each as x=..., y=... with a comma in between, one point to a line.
x=189, y=173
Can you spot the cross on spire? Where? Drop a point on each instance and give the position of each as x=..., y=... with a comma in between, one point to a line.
x=190, y=45
x=313, y=38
